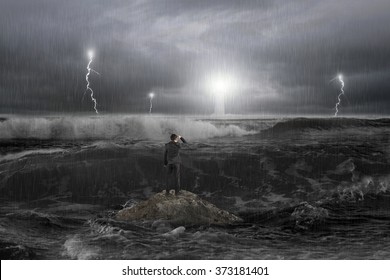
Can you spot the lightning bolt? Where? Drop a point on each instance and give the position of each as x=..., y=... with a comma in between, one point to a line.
x=340, y=78
x=90, y=55
x=151, y=95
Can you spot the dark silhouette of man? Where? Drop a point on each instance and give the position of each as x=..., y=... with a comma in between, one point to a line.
x=172, y=161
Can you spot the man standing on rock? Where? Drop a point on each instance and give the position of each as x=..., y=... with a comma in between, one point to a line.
x=172, y=161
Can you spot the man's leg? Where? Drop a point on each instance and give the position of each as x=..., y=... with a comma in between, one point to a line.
x=177, y=178
x=169, y=178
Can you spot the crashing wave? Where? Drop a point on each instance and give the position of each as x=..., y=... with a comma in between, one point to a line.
x=366, y=186
x=75, y=248
x=114, y=127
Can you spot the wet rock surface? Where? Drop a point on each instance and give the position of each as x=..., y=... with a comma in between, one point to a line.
x=306, y=216
x=185, y=208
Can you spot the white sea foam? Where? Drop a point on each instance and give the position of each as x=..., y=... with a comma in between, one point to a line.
x=365, y=185
x=76, y=249
x=15, y=156
x=176, y=232
x=115, y=126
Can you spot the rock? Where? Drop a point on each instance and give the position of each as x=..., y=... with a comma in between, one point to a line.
x=185, y=209
x=306, y=216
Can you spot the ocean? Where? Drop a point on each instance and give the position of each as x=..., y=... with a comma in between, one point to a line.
x=305, y=188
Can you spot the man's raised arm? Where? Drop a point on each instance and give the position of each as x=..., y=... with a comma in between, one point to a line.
x=182, y=139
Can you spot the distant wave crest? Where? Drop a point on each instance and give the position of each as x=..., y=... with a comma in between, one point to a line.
x=300, y=124
x=111, y=127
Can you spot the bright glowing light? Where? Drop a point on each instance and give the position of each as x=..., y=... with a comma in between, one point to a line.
x=151, y=95
x=90, y=54
x=340, y=78
x=221, y=85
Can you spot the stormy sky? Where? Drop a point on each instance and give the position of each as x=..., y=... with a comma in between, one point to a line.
x=282, y=55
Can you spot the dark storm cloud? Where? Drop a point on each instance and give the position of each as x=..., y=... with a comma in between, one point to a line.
x=283, y=54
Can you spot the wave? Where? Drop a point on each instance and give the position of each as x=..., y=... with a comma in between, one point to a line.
x=18, y=155
x=368, y=198
x=302, y=124
x=114, y=126
x=76, y=248
x=14, y=251
x=36, y=218
x=367, y=186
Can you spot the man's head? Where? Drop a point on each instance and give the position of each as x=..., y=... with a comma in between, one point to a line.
x=174, y=137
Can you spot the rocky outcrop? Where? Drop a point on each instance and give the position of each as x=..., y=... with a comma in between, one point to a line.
x=306, y=216
x=185, y=208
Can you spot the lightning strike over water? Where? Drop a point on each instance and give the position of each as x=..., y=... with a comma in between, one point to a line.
x=340, y=78
x=151, y=95
x=90, y=55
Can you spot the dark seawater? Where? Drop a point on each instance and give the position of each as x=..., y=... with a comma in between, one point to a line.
x=306, y=188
